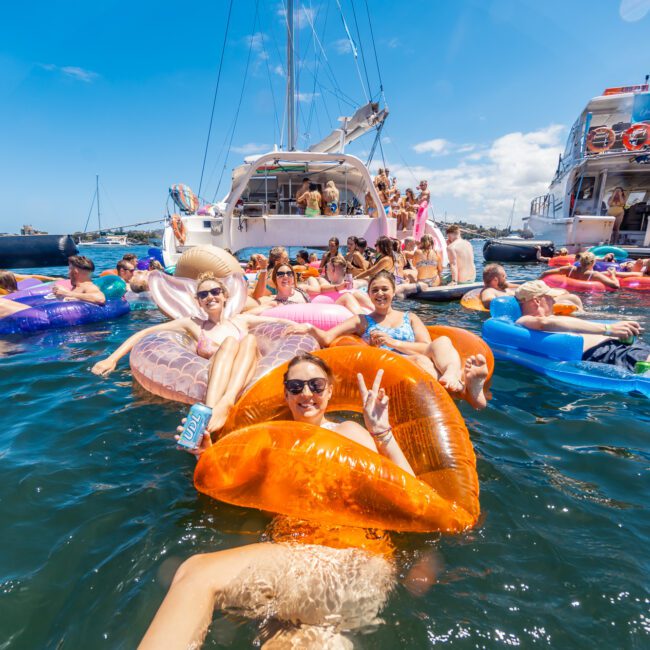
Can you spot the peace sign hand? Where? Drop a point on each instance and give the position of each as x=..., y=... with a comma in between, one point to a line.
x=375, y=404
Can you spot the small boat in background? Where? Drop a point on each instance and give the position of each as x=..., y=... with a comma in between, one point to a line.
x=516, y=249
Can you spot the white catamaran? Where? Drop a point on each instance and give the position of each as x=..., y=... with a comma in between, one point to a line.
x=261, y=210
x=601, y=187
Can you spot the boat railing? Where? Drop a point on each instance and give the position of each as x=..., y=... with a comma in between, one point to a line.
x=545, y=206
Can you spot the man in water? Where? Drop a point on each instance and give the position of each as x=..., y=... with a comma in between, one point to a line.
x=602, y=342
x=495, y=284
x=125, y=270
x=80, y=270
x=461, y=257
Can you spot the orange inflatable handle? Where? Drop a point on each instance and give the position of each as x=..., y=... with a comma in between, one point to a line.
x=303, y=471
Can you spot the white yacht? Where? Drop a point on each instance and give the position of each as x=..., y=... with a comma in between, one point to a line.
x=608, y=148
x=107, y=240
x=260, y=210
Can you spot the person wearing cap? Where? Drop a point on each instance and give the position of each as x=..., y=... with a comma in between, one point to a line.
x=585, y=271
x=602, y=342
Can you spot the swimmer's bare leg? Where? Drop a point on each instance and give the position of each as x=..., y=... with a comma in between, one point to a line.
x=447, y=360
x=350, y=302
x=234, y=369
x=8, y=307
x=183, y=619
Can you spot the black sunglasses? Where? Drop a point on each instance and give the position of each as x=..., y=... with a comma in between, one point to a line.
x=296, y=386
x=283, y=274
x=215, y=291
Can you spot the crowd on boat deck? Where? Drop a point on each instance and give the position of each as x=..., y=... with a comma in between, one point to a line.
x=314, y=200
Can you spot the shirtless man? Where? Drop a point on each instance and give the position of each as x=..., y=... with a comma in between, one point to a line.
x=80, y=270
x=495, y=284
x=602, y=342
x=125, y=270
x=461, y=257
x=425, y=194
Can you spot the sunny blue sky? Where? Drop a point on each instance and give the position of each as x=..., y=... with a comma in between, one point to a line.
x=481, y=94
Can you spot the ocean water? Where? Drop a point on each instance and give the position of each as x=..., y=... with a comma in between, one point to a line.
x=97, y=508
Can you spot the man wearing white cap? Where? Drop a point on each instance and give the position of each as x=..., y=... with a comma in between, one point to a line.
x=602, y=342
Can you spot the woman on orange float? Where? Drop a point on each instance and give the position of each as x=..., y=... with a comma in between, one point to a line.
x=232, y=350
x=308, y=386
x=405, y=333
x=583, y=277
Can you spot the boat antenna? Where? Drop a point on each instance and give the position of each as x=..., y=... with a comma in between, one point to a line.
x=291, y=90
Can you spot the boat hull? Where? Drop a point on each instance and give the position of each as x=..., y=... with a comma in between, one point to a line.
x=516, y=250
x=580, y=231
x=35, y=251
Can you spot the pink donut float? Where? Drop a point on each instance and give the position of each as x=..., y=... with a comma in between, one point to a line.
x=166, y=363
x=322, y=315
x=572, y=284
x=638, y=283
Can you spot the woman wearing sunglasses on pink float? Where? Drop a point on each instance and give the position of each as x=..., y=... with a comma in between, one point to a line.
x=228, y=344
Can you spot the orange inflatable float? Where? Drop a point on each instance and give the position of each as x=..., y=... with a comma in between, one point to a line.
x=265, y=460
x=472, y=300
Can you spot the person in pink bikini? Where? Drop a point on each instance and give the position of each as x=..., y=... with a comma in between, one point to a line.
x=226, y=342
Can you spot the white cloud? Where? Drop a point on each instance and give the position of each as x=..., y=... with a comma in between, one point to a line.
x=72, y=71
x=393, y=42
x=304, y=17
x=481, y=187
x=634, y=10
x=306, y=97
x=251, y=148
x=279, y=70
x=436, y=147
x=342, y=46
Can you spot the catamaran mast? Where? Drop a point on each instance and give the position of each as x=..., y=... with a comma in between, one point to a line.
x=99, y=216
x=291, y=91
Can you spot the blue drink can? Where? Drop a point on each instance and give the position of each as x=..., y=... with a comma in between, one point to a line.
x=197, y=421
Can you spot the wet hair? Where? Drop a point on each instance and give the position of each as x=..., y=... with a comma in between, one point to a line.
x=123, y=264
x=275, y=254
x=384, y=246
x=303, y=254
x=139, y=283
x=277, y=267
x=306, y=357
x=585, y=259
x=338, y=260
x=426, y=242
x=81, y=262
x=209, y=276
x=382, y=275
x=491, y=271
x=130, y=257
x=8, y=281
x=453, y=229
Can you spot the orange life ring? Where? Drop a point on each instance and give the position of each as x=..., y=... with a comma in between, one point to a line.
x=179, y=229
x=601, y=131
x=632, y=133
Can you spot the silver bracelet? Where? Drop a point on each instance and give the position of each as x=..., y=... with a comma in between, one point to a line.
x=383, y=436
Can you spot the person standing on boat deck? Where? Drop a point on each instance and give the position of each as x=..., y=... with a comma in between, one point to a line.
x=410, y=207
x=384, y=197
x=331, y=206
x=381, y=178
x=461, y=257
x=313, y=201
x=616, y=209
x=371, y=208
x=301, y=196
x=425, y=194
x=602, y=342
